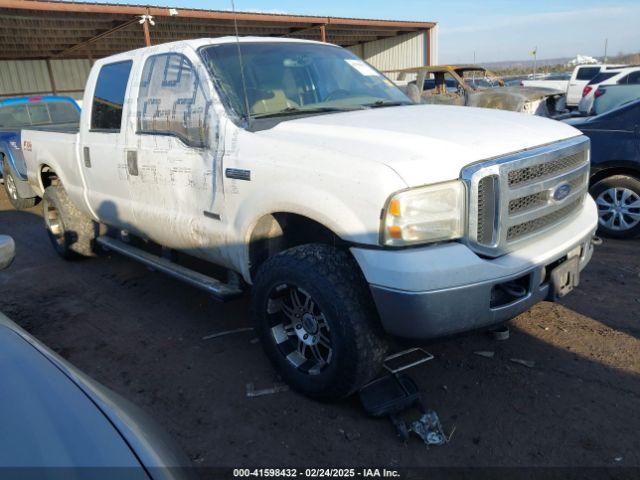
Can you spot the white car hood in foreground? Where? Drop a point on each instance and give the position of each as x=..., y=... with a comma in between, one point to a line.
x=422, y=143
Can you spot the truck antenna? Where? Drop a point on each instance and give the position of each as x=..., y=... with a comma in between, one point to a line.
x=244, y=82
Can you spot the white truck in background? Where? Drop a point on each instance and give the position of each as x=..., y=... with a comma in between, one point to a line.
x=580, y=77
x=353, y=215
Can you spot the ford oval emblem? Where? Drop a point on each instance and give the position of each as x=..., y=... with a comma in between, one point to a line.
x=561, y=192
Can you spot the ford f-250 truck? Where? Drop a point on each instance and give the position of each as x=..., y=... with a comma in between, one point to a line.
x=306, y=174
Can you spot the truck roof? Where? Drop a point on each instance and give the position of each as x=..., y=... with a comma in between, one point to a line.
x=200, y=42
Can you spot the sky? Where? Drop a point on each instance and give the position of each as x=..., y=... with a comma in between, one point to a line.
x=496, y=30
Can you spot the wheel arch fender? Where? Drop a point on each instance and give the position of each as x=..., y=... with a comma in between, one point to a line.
x=614, y=167
x=329, y=212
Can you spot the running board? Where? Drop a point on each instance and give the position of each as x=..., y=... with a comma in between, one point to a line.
x=220, y=290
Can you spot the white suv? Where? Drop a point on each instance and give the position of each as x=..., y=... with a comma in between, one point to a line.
x=621, y=76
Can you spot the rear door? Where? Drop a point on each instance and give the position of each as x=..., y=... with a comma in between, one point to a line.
x=579, y=80
x=102, y=156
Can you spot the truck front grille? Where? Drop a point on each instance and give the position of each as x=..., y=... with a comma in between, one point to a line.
x=486, y=208
x=531, y=226
x=517, y=197
x=534, y=173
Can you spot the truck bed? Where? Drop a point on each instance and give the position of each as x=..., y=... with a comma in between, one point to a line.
x=54, y=147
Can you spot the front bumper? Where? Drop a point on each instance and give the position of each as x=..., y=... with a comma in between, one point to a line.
x=444, y=289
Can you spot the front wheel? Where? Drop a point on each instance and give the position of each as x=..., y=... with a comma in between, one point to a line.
x=618, y=201
x=316, y=320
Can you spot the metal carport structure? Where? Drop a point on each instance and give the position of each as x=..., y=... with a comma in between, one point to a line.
x=48, y=46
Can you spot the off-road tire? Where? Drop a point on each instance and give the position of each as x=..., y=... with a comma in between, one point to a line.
x=621, y=182
x=334, y=281
x=14, y=197
x=72, y=233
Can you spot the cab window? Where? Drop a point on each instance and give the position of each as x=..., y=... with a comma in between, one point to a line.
x=171, y=100
x=108, y=98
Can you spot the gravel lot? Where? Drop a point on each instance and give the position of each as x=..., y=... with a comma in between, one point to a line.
x=141, y=334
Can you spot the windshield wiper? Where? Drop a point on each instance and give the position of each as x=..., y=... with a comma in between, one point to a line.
x=296, y=111
x=384, y=103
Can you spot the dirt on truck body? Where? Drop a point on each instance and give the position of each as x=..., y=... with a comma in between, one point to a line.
x=475, y=86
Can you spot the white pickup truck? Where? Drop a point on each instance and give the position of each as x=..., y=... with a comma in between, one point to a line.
x=354, y=216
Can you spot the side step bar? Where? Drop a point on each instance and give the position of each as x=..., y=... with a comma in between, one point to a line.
x=220, y=290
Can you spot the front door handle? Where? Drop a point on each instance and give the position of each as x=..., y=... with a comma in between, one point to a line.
x=132, y=162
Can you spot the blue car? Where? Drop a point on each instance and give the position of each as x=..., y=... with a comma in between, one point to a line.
x=615, y=168
x=28, y=112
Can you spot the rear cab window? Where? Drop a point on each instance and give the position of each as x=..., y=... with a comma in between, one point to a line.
x=108, y=97
x=38, y=114
x=587, y=73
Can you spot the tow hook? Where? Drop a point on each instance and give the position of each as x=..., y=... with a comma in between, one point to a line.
x=596, y=241
x=514, y=289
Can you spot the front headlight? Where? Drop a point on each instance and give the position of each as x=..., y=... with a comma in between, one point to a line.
x=425, y=214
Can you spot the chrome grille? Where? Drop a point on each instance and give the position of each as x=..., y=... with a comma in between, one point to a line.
x=516, y=231
x=522, y=204
x=535, y=173
x=486, y=208
x=514, y=198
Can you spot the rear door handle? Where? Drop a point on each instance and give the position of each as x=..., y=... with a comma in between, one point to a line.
x=132, y=162
x=87, y=157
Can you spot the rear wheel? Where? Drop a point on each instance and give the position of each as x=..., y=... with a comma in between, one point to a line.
x=316, y=320
x=11, y=187
x=618, y=201
x=71, y=232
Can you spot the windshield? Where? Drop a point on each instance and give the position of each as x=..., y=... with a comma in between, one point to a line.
x=294, y=78
x=38, y=113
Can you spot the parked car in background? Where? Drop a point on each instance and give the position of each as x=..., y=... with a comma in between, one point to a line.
x=581, y=75
x=52, y=112
x=608, y=97
x=354, y=215
x=475, y=86
x=556, y=81
x=623, y=76
x=56, y=419
x=615, y=168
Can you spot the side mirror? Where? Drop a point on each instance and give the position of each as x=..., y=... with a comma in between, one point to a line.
x=7, y=251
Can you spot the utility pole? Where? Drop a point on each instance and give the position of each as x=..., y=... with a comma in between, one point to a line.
x=606, y=44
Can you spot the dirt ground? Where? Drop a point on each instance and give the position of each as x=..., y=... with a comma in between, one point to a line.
x=141, y=334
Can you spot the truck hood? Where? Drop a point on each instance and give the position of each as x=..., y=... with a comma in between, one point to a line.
x=421, y=143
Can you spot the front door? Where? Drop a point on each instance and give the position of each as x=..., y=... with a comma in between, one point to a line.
x=103, y=160
x=177, y=193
